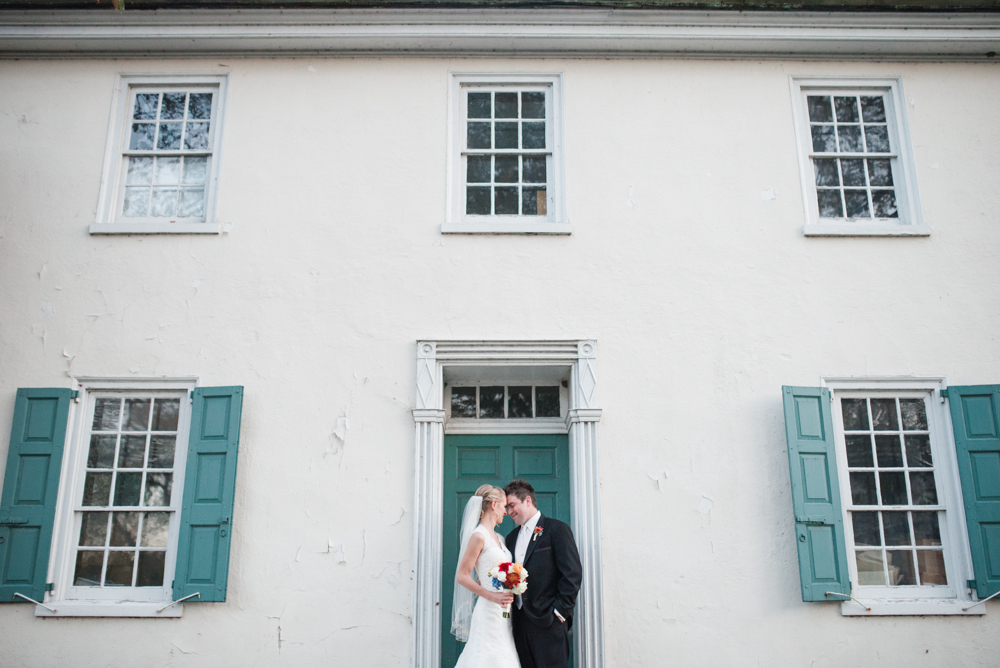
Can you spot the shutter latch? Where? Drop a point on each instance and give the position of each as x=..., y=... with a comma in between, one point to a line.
x=811, y=520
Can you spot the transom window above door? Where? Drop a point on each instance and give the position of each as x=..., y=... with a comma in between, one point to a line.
x=504, y=402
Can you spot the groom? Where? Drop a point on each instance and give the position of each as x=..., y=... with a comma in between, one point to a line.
x=543, y=615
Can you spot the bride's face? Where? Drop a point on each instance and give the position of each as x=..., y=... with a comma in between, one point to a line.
x=500, y=510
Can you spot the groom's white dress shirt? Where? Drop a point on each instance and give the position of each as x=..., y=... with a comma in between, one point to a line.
x=521, y=548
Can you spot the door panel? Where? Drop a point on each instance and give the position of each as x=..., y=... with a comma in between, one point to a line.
x=471, y=460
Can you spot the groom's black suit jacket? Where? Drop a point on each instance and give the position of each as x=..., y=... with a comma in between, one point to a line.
x=554, y=572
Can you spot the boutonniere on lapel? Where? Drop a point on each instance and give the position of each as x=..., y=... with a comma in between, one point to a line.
x=536, y=533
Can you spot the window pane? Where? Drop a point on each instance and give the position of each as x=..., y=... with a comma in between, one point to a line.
x=168, y=171
x=150, y=569
x=170, y=136
x=142, y=136
x=192, y=203
x=505, y=201
x=925, y=529
x=505, y=169
x=918, y=450
x=158, y=489
x=477, y=169
x=897, y=528
x=477, y=201
x=913, y=411
x=826, y=172
x=478, y=135
x=520, y=402
x=850, y=138
x=830, y=205
x=132, y=451
x=824, y=139
x=855, y=414
x=88, y=568
x=161, y=452
x=857, y=203
x=893, y=487
x=200, y=105
x=463, y=402
x=120, y=567
x=889, y=451
x=506, y=105
x=885, y=204
x=534, y=169
x=127, y=489
x=107, y=413
x=863, y=489
x=533, y=135
x=880, y=173
x=164, y=202
x=124, y=529
x=136, y=415
x=136, y=202
x=102, y=452
x=819, y=109
x=547, y=402
x=923, y=490
x=196, y=135
x=931, y=566
x=96, y=489
x=873, y=109
x=145, y=106
x=173, y=105
x=534, y=202
x=195, y=170
x=532, y=105
x=94, y=529
x=884, y=415
x=866, y=529
x=491, y=402
x=900, y=567
x=859, y=450
x=870, y=568
x=479, y=105
x=854, y=172
x=165, y=414
x=847, y=109
x=155, y=528
x=877, y=137
x=140, y=171
x=506, y=135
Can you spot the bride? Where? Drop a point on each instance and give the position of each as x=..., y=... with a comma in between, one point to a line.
x=480, y=623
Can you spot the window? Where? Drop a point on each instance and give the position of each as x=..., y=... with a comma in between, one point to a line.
x=506, y=161
x=857, y=167
x=163, y=156
x=501, y=402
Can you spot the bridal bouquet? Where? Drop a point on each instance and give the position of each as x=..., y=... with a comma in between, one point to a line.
x=509, y=577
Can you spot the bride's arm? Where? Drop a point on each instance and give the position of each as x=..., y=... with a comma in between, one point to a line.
x=464, y=577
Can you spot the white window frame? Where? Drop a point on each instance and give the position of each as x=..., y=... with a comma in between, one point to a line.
x=456, y=221
x=910, y=221
x=109, y=215
x=69, y=601
x=934, y=600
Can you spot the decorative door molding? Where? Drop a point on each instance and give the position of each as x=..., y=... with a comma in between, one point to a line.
x=585, y=499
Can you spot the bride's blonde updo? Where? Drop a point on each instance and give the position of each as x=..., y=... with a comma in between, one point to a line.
x=490, y=494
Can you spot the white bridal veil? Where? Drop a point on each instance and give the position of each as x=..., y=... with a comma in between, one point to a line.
x=464, y=600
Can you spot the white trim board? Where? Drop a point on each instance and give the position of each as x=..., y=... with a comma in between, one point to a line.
x=567, y=32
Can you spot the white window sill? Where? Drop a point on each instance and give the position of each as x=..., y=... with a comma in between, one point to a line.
x=506, y=228
x=507, y=426
x=154, y=228
x=883, y=608
x=865, y=230
x=106, y=609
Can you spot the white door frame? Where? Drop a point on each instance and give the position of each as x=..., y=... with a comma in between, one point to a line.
x=585, y=498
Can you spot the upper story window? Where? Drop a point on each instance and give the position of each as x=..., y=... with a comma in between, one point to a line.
x=163, y=156
x=857, y=167
x=506, y=160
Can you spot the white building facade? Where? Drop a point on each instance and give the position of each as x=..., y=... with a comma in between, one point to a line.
x=278, y=284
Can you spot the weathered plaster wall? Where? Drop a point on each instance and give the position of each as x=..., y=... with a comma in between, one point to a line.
x=703, y=296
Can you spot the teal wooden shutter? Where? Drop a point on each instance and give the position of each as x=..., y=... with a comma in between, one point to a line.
x=819, y=521
x=974, y=418
x=209, y=488
x=30, y=488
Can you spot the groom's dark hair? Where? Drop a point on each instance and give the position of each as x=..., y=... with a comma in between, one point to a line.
x=521, y=489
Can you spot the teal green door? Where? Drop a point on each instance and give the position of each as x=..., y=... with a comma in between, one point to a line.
x=476, y=459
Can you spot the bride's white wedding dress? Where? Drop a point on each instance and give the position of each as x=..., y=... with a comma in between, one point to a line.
x=491, y=644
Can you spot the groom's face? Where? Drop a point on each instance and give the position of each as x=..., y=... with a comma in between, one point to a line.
x=520, y=511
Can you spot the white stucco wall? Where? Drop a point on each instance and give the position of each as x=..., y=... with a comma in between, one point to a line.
x=704, y=298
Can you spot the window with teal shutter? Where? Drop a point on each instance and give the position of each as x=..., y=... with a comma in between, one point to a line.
x=819, y=524
x=209, y=489
x=30, y=489
x=975, y=416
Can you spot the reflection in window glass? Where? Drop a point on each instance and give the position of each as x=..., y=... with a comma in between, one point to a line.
x=506, y=402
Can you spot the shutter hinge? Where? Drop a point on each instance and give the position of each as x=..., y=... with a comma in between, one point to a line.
x=75, y=395
x=191, y=396
x=971, y=584
x=944, y=393
x=50, y=586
